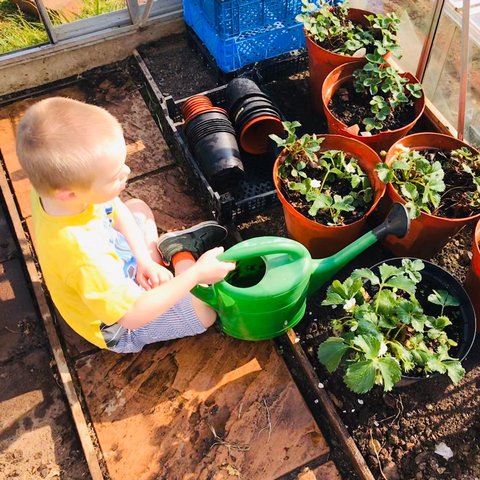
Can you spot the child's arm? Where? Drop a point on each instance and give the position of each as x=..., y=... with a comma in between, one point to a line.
x=149, y=273
x=153, y=303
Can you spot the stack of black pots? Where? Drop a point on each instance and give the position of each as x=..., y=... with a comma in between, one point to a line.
x=211, y=137
x=253, y=115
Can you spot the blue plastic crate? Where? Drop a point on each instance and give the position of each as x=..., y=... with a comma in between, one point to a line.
x=229, y=18
x=248, y=47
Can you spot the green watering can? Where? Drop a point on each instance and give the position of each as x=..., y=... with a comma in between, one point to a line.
x=266, y=293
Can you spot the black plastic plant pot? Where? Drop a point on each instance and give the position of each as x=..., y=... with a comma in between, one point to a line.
x=463, y=328
x=207, y=118
x=251, y=103
x=219, y=157
x=239, y=89
x=248, y=108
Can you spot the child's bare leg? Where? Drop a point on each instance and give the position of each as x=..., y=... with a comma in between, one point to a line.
x=205, y=313
x=137, y=206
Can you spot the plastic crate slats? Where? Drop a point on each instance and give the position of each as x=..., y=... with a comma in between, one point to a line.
x=240, y=32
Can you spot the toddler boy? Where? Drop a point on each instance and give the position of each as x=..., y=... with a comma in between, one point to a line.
x=98, y=255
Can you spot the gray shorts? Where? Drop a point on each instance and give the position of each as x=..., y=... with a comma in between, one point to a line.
x=179, y=321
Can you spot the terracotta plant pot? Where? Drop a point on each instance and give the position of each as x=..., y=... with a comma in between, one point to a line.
x=322, y=240
x=472, y=281
x=253, y=114
x=380, y=141
x=321, y=62
x=428, y=233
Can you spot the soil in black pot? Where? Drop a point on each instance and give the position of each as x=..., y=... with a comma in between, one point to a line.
x=351, y=108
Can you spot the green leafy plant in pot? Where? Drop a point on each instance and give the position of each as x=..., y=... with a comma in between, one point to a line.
x=437, y=177
x=339, y=34
x=372, y=102
x=395, y=322
x=327, y=187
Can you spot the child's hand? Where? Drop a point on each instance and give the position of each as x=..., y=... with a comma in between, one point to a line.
x=210, y=269
x=152, y=274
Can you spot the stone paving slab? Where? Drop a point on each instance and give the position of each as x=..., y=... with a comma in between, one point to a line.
x=174, y=203
x=35, y=425
x=327, y=471
x=146, y=147
x=198, y=408
x=19, y=328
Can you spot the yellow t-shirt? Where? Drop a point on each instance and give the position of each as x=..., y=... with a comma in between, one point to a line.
x=82, y=271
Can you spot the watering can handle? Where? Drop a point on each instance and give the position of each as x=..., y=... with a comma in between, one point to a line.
x=259, y=246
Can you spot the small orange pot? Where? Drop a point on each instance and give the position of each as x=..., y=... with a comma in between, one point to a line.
x=322, y=62
x=322, y=240
x=380, y=141
x=254, y=137
x=197, y=105
x=472, y=281
x=428, y=233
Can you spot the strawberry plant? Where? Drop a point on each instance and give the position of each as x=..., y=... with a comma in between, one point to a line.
x=386, y=89
x=442, y=183
x=330, y=28
x=327, y=186
x=389, y=327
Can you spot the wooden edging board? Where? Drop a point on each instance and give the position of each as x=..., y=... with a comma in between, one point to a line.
x=329, y=412
x=46, y=314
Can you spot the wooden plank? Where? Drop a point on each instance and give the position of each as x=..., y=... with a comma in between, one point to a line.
x=55, y=344
x=199, y=408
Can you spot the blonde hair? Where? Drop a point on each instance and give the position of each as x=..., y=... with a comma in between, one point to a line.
x=60, y=142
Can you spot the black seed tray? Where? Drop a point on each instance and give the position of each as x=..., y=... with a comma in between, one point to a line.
x=254, y=194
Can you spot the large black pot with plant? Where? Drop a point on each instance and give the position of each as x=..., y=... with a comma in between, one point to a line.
x=398, y=322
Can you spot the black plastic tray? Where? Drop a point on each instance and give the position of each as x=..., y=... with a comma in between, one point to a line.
x=256, y=193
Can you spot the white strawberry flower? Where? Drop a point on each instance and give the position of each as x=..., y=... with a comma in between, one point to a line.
x=315, y=183
x=349, y=304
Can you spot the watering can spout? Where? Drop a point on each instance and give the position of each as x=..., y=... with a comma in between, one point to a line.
x=397, y=223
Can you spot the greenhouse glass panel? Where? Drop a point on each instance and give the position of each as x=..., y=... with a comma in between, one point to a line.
x=20, y=26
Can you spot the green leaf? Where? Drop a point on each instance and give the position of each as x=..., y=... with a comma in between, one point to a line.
x=386, y=301
x=402, y=283
x=360, y=376
x=443, y=298
x=387, y=271
x=385, y=174
x=331, y=351
x=435, y=365
x=369, y=344
x=390, y=371
x=367, y=274
x=455, y=370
